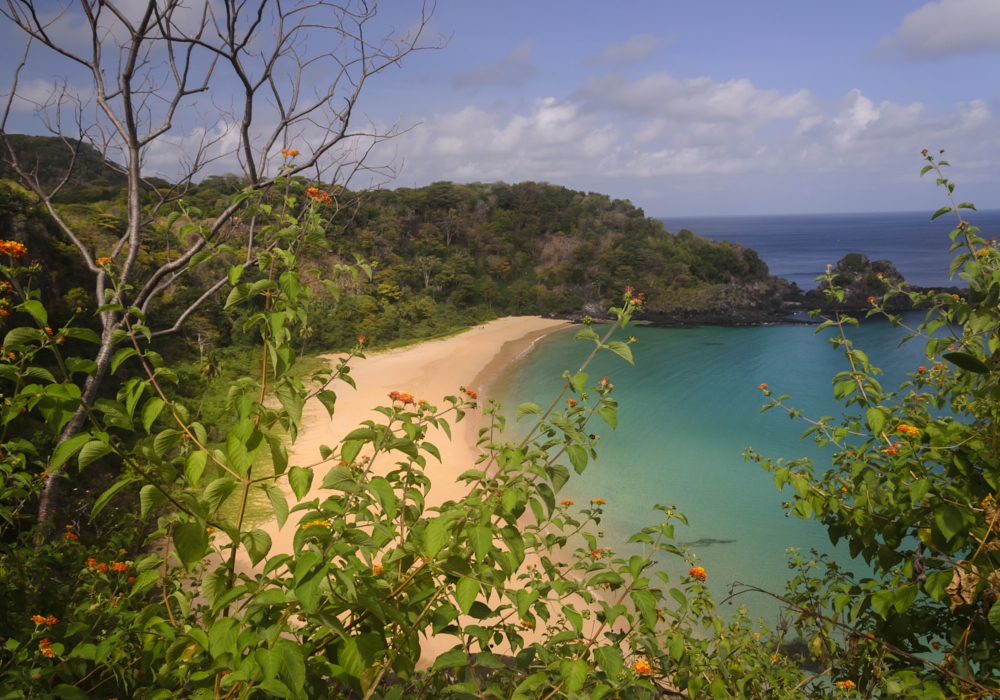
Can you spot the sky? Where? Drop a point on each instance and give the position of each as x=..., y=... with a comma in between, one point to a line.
x=714, y=107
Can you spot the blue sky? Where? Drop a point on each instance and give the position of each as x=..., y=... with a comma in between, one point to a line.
x=694, y=108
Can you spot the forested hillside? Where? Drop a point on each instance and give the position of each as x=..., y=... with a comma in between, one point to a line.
x=443, y=256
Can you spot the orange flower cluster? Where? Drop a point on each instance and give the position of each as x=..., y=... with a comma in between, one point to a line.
x=527, y=624
x=317, y=195
x=104, y=262
x=315, y=523
x=471, y=394
x=289, y=152
x=47, y=621
x=405, y=397
x=71, y=536
x=605, y=383
x=846, y=685
x=642, y=667
x=762, y=387
x=597, y=501
x=892, y=450
x=908, y=430
x=698, y=572
x=362, y=339
x=571, y=403
x=377, y=569
x=982, y=252
x=872, y=300
x=119, y=566
x=13, y=249
x=566, y=504
x=921, y=370
x=597, y=554
x=45, y=646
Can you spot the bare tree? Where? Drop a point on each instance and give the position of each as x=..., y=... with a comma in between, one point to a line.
x=230, y=80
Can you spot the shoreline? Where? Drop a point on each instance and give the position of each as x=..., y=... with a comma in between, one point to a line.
x=430, y=369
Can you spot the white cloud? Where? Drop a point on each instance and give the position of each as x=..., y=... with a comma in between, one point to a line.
x=945, y=28
x=633, y=50
x=660, y=127
x=514, y=70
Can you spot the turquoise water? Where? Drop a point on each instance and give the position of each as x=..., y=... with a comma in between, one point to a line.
x=688, y=409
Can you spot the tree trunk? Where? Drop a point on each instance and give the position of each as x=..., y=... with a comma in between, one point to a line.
x=47, y=503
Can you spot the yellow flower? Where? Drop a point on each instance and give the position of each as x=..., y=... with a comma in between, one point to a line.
x=846, y=685
x=597, y=501
x=642, y=667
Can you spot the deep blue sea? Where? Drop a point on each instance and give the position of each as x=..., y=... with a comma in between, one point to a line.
x=799, y=247
x=690, y=406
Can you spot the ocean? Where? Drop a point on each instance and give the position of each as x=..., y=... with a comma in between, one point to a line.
x=799, y=247
x=690, y=405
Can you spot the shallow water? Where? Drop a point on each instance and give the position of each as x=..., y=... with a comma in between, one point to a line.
x=688, y=409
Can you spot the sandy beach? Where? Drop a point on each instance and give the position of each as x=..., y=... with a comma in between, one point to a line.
x=429, y=370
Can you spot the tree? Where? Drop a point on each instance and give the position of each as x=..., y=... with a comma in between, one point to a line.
x=158, y=68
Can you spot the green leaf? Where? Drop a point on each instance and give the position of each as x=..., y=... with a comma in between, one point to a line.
x=258, y=544
x=645, y=603
x=222, y=637
x=300, y=479
x=876, y=420
x=994, y=616
x=22, y=336
x=36, y=309
x=610, y=660
x=70, y=692
x=574, y=674
x=940, y=212
x=67, y=449
x=385, y=494
x=527, y=408
x=621, y=349
x=340, y=479
x=580, y=382
x=191, y=541
x=586, y=333
x=194, y=466
x=481, y=539
x=436, y=535
x=150, y=411
x=165, y=440
x=609, y=415
x=105, y=497
x=279, y=504
x=577, y=457
x=92, y=451
x=121, y=356
x=218, y=491
x=949, y=520
x=450, y=659
x=465, y=593
x=882, y=603
x=149, y=498
x=967, y=362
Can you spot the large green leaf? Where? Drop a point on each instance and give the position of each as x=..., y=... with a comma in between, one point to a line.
x=949, y=520
x=67, y=449
x=621, y=349
x=191, y=541
x=610, y=660
x=258, y=544
x=106, y=497
x=574, y=674
x=279, y=504
x=300, y=479
x=150, y=411
x=36, y=309
x=967, y=362
x=149, y=498
x=450, y=659
x=465, y=593
x=92, y=451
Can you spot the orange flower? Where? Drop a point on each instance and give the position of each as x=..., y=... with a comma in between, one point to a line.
x=45, y=646
x=119, y=566
x=698, y=572
x=982, y=252
x=13, y=249
x=362, y=339
x=571, y=403
x=49, y=621
x=908, y=430
x=937, y=366
x=71, y=536
x=597, y=501
x=923, y=152
x=317, y=195
x=597, y=554
x=102, y=567
x=48, y=330
x=471, y=394
x=527, y=624
x=377, y=569
x=892, y=450
x=846, y=685
x=289, y=152
x=104, y=262
x=91, y=563
x=130, y=579
x=955, y=297
x=567, y=503
x=921, y=370
x=872, y=300
x=642, y=667
x=762, y=387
